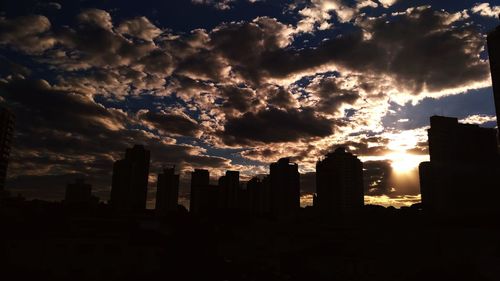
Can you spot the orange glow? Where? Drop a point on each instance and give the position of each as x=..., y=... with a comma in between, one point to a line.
x=402, y=162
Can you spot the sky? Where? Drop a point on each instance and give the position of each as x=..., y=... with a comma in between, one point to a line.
x=238, y=84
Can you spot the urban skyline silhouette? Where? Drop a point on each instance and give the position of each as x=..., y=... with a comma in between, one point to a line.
x=250, y=140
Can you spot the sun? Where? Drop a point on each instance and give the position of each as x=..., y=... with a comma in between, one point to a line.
x=403, y=162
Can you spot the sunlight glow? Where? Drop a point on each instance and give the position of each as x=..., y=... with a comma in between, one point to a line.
x=402, y=162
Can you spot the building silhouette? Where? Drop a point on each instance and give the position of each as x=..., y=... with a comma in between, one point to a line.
x=259, y=193
x=462, y=174
x=7, y=121
x=284, y=180
x=204, y=197
x=167, y=191
x=493, y=40
x=229, y=189
x=339, y=183
x=130, y=180
x=452, y=142
x=79, y=194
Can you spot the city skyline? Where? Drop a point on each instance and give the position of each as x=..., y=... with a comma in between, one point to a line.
x=89, y=80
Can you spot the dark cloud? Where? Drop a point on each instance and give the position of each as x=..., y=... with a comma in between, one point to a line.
x=275, y=125
x=59, y=132
x=139, y=27
x=280, y=97
x=420, y=49
x=27, y=33
x=246, y=45
x=172, y=123
x=238, y=99
x=332, y=95
x=44, y=106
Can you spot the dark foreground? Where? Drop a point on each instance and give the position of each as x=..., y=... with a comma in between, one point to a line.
x=47, y=241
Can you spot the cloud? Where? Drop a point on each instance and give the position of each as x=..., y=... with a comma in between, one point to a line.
x=218, y=4
x=96, y=17
x=317, y=14
x=332, y=94
x=77, y=135
x=174, y=123
x=26, y=33
x=246, y=44
x=387, y=3
x=221, y=4
x=485, y=10
x=420, y=51
x=245, y=84
x=139, y=27
x=275, y=125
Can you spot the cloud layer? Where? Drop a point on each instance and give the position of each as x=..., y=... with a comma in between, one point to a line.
x=238, y=95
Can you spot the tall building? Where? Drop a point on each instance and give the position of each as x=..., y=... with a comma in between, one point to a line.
x=285, y=188
x=79, y=193
x=494, y=57
x=229, y=186
x=450, y=141
x=462, y=176
x=6, y=132
x=258, y=191
x=204, y=197
x=339, y=183
x=167, y=191
x=130, y=180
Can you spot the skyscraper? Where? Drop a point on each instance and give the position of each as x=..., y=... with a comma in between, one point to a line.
x=6, y=132
x=339, y=183
x=462, y=176
x=229, y=186
x=200, y=180
x=285, y=188
x=258, y=190
x=167, y=191
x=130, y=180
x=494, y=57
x=450, y=141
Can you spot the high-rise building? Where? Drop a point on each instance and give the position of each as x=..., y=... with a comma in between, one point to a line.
x=6, y=132
x=450, y=141
x=494, y=57
x=203, y=196
x=259, y=192
x=79, y=193
x=339, y=183
x=130, y=180
x=285, y=188
x=229, y=186
x=462, y=176
x=167, y=191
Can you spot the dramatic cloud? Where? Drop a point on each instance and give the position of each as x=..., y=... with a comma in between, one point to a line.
x=298, y=80
x=96, y=17
x=332, y=95
x=485, y=10
x=139, y=27
x=177, y=123
x=77, y=136
x=275, y=125
x=27, y=33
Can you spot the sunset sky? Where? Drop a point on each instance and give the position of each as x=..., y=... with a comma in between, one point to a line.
x=238, y=84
